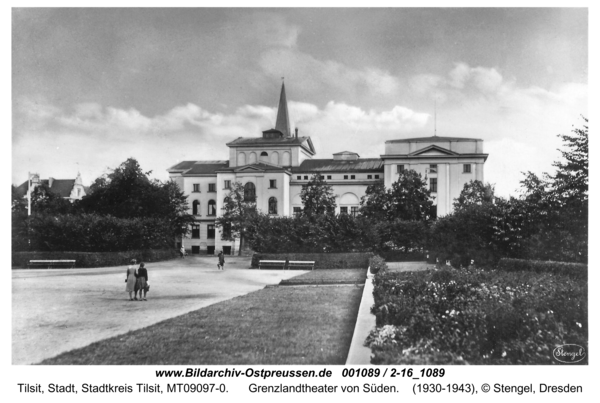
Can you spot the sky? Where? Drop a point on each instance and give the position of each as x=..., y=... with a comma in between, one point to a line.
x=93, y=87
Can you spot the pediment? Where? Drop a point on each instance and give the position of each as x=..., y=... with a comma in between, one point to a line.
x=433, y=150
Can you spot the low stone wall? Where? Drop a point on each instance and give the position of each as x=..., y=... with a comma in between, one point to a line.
x=95, y=259
x=322, y=260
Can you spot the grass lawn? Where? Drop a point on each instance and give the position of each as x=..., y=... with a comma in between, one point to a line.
x=280, y=325
x=334, y=276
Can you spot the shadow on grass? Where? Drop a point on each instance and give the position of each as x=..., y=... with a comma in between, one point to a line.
x=283, y=325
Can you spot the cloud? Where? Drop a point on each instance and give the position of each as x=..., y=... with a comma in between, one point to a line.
x=316, y=75
x=54, y=140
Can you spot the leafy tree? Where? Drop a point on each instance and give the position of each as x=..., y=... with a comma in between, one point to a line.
x=475, y=192
x=239, y=216
x=408, y=199
x=127, y=192
x=317, y=197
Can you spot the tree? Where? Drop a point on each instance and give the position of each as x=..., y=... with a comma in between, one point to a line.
x=474, y=192
x=317, y=197
x=127, y=192
x=408, y=199
x=238, y=215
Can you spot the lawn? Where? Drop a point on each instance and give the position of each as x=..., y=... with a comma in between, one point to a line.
x=334, y=276
x=280, y=325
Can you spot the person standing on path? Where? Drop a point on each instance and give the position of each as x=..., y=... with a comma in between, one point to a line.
x=182, y=252
x=141, y=284
x=221, y=261
x=130, y=279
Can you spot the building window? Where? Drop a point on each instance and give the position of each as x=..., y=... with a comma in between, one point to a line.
x=343, y=210
x=433, y=212
x=272, y=205
x=352, y=177
x=328, y=176
x=227, y=184
x=212, y=187
x=264, y=154
x=210, y=231
x=227, y=230
x=249, y=192
x=400, y=168
x=467, y=168
x=195, y=207
x=305, y=177
x=196, y=187
x=433, y=168
x=272, y=183
x=195, y=249
x=354, y=211
x=297, y=211
x=299, y=177
x=369, y=176
x=195, y=231
x=212, y=207
x=433, y=185
x=345, y=176
x=376, y=176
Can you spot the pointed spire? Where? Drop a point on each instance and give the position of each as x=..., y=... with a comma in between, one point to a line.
x=283, y=120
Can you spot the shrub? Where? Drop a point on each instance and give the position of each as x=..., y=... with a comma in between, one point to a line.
x=476, y=316
x=377, y=263
x=322, y=260
x=96, y=259
x=577, y=270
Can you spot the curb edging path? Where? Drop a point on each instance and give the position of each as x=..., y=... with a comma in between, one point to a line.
x=358, y=354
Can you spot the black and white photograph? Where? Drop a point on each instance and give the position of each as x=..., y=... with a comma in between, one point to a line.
x=381, y=192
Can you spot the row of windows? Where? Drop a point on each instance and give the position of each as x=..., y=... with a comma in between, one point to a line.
x=343, y=210
x=210, y=231
x=329, y=177
x=433, y=168
x=265, y=157
x=212, y=207
x=212, y=187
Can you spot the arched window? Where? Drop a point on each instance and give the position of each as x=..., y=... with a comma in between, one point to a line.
x=264, y=156
x=212, y=207
x=272, y=205
x=241, y=159
x=249, y=192
x=275, y=158
x=195, y=207
x=252, y=158
x=286, y=160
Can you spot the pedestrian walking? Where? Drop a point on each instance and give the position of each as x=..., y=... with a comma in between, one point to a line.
x=221, y=261
x=130, y=279
x=141, y=283
x=182, y=252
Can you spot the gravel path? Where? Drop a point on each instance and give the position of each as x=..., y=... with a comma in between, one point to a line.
x=57, y=310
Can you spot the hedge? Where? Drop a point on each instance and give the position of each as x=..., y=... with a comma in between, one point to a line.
x=399, y=256
x=576, y=270
x=376, y=263
x=322, y=260
x=96, y=259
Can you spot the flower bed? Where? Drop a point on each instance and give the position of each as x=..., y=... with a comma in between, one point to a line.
x=476, y=317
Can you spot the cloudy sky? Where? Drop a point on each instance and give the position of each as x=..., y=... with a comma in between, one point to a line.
x=92, y=87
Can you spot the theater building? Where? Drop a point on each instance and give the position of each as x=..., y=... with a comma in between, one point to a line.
x=274, y=166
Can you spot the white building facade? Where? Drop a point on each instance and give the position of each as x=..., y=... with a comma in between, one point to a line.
x=275, y=166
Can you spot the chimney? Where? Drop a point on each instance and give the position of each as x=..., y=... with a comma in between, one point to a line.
x=296, y=130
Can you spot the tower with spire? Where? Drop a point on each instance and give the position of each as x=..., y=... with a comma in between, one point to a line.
x=283, y=119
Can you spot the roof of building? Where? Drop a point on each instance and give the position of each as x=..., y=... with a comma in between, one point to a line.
x=198, y=167
x=258, y=166
x=283, y=120
x=330, y=165
x=304, y=142
x=61, y=187
x=432, y=139
x=346, y=153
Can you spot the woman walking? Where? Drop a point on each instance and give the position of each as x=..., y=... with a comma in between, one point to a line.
x=221, y=261
x=130, y=279
x=141, y=284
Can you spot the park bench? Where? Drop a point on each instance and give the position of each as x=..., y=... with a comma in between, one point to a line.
x=281, y=264
x=52, y=263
